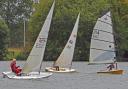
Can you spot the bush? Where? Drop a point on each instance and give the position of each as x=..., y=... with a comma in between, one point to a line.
x=4, y=39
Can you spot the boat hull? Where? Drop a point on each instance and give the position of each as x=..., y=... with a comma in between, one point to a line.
x=31, y=75
x=61, y=70
x=112, y=72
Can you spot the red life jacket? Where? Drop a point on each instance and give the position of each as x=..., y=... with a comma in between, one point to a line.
x=13, y=66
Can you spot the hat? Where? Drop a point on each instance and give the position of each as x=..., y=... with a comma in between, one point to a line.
x=13, y=59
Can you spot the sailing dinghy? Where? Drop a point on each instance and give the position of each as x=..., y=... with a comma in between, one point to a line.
x=102, y=48
x=64, y=62
x=35, y=58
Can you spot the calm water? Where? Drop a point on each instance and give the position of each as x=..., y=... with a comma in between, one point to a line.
x=84, y=78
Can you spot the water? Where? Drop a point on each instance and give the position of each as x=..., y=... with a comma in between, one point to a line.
x=85, y=78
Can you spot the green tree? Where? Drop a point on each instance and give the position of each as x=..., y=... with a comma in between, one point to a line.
x=14, y=12
x=120, y=18
x=4, y=39
x=64, y=17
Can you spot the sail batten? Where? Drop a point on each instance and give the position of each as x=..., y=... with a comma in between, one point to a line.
x=66, y=57
x=105, y=22
x=102, y=48
x=103, y=31
x=103, y=40
x=36, y=55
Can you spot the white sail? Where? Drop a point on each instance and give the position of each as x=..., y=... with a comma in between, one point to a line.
x=102, y=49
x=65, y=58
x=35, y=57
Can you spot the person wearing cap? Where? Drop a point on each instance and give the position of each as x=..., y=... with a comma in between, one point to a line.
x=16, y=69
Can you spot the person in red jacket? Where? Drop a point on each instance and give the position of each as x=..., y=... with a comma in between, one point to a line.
x=16, y=69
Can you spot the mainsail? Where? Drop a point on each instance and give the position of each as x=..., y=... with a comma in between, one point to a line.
x=35, y=57
x=102, y=48
x=65, y=58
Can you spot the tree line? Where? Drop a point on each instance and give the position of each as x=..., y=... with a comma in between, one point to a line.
x=63, y=20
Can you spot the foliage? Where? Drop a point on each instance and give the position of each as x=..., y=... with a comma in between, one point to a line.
x=120, y=19
x=64, y=17
x=4, y=38
x=14, y=12
x=21, y=56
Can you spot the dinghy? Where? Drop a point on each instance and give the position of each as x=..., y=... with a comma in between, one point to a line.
x=31, y=75
x=118, y=71
x=102, y=48
x=32, y=67
x=64, y=62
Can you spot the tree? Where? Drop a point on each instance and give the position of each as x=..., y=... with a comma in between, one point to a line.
x=64, y=17
x=120, y=9
x=14, y=12
x=4, y=39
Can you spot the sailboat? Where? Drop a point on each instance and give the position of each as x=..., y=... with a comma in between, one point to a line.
x=102, y=48
x=64, y=61
x=32, y=67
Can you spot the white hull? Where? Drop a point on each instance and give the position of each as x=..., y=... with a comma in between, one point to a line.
x=61, y=70
x=31, y=75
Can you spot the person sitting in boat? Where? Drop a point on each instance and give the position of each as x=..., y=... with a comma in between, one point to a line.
x=56, y=67
x=16, y=69
x=112, y=65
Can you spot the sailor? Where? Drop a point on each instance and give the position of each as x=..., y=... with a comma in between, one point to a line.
x=111, y=66
x=15, y=69
x=56, y=67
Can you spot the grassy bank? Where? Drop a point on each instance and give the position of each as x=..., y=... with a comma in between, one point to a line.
x=18, y=53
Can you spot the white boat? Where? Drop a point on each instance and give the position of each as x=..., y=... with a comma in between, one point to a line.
x=102, y=48
x=64, y=61
x=31, y=75
x=32, y=67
